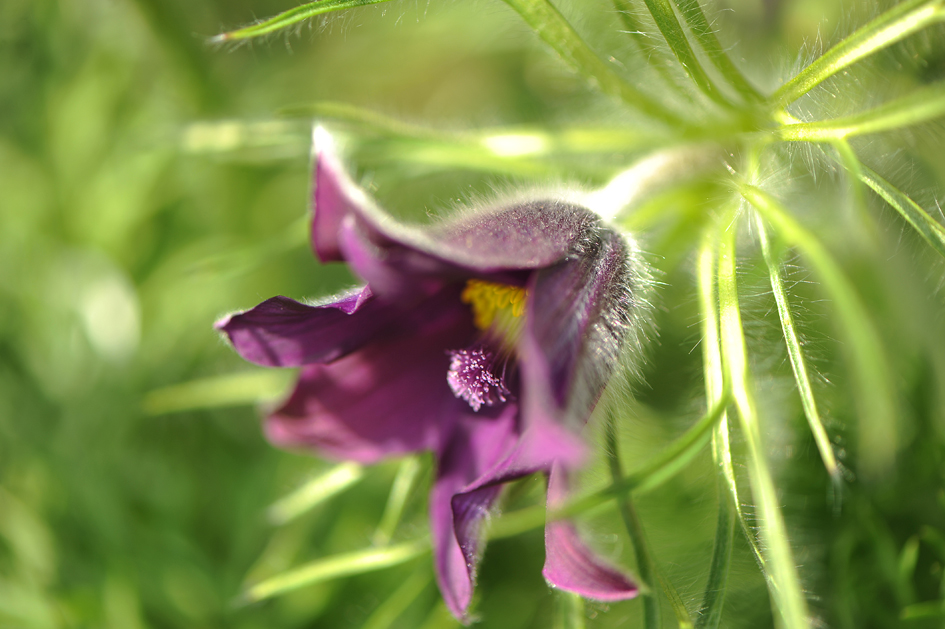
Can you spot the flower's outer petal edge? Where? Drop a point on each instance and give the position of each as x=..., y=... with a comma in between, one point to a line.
x=281, y=332
x=388, y=397
x=569, y=564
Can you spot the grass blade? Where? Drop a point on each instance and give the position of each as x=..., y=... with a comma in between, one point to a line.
x=798, y=364
x=396, y=500
x=890, y=27
x=315, y=492
x=791, y=606
x=877, y=413
x=335, y=567
x=290, y=18
x=387, y=612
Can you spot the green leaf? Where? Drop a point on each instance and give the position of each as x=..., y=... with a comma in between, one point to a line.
x=555, y=31
x=917, y=107
x=928, y=227
x=786, y=592
x=314, y=492
x=335, y=567
x=877, y=414
x=796, y=354
x=890, y=27
x=290, y=18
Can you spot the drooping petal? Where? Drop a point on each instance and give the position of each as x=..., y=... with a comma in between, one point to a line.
x=578, y=314
x=570, y=564
x=281, y=332
x=498, y=242
x=478, y=441
x=388, y=397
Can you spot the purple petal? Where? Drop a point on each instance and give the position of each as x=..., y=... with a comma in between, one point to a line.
x=281, y=332
x=499, y=241
x=570, y=564
x=388, y=397
x=578, y=314
x=479, y=440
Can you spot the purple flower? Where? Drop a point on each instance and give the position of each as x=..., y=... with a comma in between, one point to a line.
x=486, y=339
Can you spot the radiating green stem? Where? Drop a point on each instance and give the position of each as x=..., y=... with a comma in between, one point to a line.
x=665, y=18
x=795, y=353
x=555, y=31
x=645, y=566
x=658, y=470
x=658, y=58
x=890, y=27
x=787, y=593
x=928, y=227
x=918, y=106
x=704, y=34
x=291, y=18
x=877, y=441
x=714, y=598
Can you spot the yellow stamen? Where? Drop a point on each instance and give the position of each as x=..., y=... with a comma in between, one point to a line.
x=495, y=305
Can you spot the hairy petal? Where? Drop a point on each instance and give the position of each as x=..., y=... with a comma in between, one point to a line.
x=570, y=564
x=578, y=315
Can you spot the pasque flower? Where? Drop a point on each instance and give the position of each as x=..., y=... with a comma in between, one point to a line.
x=486, y=339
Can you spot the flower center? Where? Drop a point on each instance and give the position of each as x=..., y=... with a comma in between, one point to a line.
x=496, y=307
x=472, y=376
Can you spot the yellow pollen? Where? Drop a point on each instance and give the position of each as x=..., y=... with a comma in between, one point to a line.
x=494, y=304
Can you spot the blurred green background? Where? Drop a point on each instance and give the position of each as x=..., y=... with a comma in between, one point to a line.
x=150, y=182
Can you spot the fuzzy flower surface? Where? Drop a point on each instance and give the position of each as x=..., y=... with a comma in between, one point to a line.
x=486, y=339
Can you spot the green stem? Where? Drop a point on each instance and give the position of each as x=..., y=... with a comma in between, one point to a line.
x=877, y=409
x=645, y=566
x=704, y=34
x=555, y=31
x=928, y=227
x=787, y=593
x=714, y=598
x=290, y=18
x=651, y=475
x=890, y=27
x=665, y=18
x=796, y=355
x=917, y=107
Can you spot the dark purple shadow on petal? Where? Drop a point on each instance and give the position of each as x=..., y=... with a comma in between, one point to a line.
x=388, y=397
x=281, y=332
x=479, y=440
x=578, y=314
x=570, y=564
